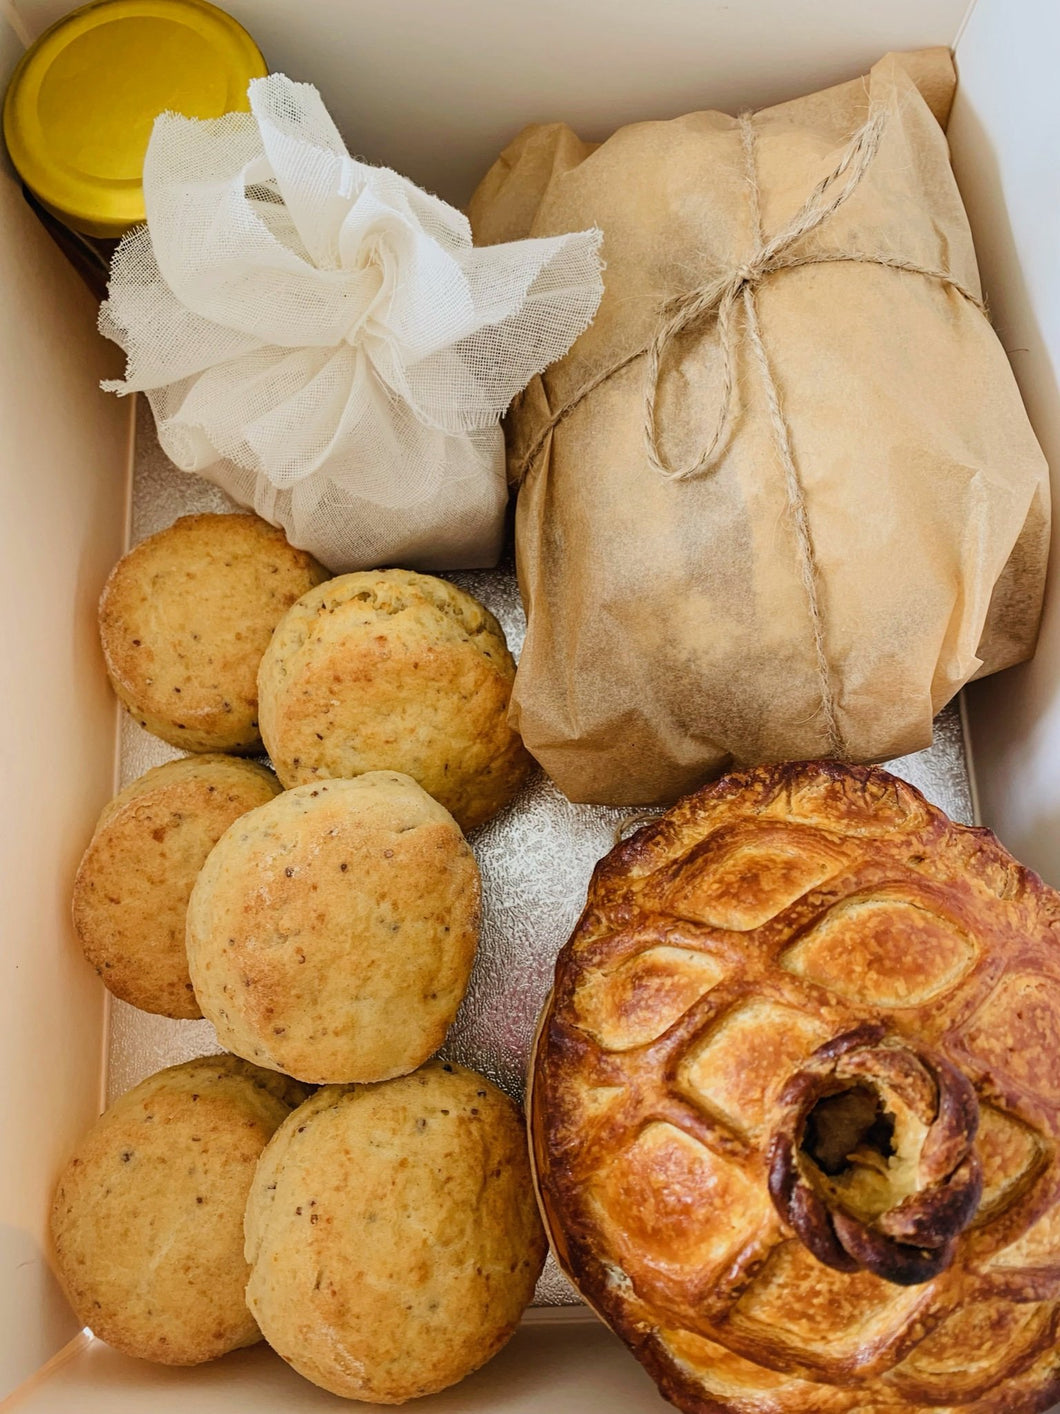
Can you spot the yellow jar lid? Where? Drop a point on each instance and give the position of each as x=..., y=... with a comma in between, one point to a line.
x=82, y=101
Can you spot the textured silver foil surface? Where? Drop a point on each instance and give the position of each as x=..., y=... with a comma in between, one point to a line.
x=536, y=857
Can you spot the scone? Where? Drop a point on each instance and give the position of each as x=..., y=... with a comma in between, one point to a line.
x=393, y=1235
x=131, y=891
x=331, y=932
x=184, y=619
x=147, y=1220
x=390, y=670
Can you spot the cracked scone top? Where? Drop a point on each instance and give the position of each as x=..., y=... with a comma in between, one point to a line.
x=793, y=1111
x=397, y=671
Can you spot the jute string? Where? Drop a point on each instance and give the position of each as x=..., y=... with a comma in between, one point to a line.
x=719, y=300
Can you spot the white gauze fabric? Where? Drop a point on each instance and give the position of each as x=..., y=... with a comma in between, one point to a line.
x=321, y=338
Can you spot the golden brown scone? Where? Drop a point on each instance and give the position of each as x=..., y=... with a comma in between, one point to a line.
x=184, y=619
x=331, y=932
x=392, y=1233
x=795, y=1127
x=131, y=891
x=390, y=670
x=147, y=1220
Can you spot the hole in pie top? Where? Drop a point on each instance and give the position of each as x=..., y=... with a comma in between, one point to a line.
x=866, y=1152
x=848, y=1129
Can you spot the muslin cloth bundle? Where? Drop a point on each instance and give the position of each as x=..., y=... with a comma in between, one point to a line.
x=321, y=338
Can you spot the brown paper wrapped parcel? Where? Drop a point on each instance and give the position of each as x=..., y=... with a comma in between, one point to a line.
x=781, y=500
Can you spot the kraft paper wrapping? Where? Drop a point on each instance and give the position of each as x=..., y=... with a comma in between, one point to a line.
x=672, y=621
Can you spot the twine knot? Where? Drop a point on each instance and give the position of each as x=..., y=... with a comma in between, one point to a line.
x=718, y=300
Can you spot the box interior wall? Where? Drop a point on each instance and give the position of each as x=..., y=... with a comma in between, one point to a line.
x=435, y=91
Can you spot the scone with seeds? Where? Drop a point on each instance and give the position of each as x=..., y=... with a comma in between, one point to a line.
x=393, y=1235
x=132, y=889
x=331, y=932
x=184, y=619
x=391, y=670
x=147, y=1221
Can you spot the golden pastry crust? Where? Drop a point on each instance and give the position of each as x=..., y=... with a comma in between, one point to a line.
x=393, y=1235
x=391, y=670
x=147, y=1221
x=331, y=932
x=131, y=892
x=184, y=619
x=792, y=1128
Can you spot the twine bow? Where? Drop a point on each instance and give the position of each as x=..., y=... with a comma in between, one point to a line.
x=720, y=300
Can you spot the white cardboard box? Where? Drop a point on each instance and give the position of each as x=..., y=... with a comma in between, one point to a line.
x=434, y=88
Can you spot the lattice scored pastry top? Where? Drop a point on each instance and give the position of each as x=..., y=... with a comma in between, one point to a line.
x=795, y=1109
